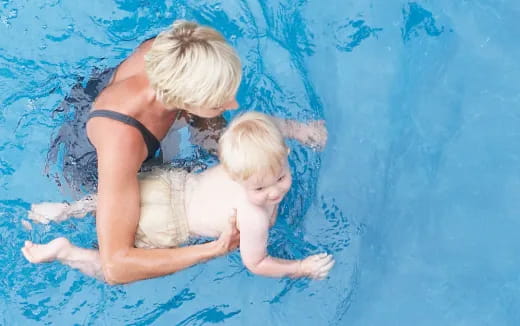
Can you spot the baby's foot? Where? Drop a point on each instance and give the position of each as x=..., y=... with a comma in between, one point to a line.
x=43, y=253
x=46, y=212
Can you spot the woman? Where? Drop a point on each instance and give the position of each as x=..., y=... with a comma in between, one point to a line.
x=187, y=73
x=187, y=69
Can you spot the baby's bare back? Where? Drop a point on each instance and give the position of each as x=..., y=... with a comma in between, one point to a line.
x=210, y=199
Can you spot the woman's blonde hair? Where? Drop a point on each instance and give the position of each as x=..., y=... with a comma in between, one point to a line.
x=190, y=65
x=252, y=144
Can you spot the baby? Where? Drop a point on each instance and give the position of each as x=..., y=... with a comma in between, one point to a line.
x=253, y=177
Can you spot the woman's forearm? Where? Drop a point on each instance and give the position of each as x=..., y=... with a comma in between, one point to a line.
x=137, y=264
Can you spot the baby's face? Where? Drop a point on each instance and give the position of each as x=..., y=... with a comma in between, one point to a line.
x=263, y=190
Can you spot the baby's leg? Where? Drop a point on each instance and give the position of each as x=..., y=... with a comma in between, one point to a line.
x=60, y=249
x=46, y=212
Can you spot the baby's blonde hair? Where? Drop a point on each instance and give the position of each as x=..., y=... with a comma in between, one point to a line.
x=190, y=65
x=252, y=144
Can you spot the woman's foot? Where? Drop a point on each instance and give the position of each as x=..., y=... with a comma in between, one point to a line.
x=44, y=253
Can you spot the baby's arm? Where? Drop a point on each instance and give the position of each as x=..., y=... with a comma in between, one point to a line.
x=254, y=232
x=312, y=134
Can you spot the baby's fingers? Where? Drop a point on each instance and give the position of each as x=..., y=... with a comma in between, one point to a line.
x=324, y=264
x=327, y=267
x=323, y=258
x=232, y=219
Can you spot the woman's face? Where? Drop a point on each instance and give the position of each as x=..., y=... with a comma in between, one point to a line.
x=232, y=104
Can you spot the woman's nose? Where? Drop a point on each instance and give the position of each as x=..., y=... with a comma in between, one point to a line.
x=233, y=105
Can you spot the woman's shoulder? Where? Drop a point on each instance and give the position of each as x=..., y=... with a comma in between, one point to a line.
x=146, y=45
x=132, y=91
x=134, y=64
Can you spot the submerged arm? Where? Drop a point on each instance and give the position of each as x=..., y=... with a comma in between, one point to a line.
x=312, y=134
x=205, y=132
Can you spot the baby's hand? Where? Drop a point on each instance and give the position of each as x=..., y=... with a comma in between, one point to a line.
x=317, y=266
x=46, y=212
x=312, y=134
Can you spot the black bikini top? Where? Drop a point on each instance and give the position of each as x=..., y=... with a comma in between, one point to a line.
x=152, y=143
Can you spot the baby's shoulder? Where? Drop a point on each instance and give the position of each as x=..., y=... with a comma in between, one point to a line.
x=252, y=216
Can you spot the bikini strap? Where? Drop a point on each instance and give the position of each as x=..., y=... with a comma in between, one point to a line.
x=152, y=143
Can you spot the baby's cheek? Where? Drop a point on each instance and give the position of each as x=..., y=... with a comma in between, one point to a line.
x=288, y=184
x=255, y=197
x=261, y=197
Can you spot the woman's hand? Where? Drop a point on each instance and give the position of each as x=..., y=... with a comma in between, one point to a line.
x=230, y=238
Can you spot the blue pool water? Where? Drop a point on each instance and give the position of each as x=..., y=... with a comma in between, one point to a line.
x=417, y=193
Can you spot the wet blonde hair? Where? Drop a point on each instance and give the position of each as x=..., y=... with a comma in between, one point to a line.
x=252, y=144
x=192, y=66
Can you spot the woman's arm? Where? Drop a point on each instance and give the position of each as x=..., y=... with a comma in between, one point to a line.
x=120, y=153
x=205, y=132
